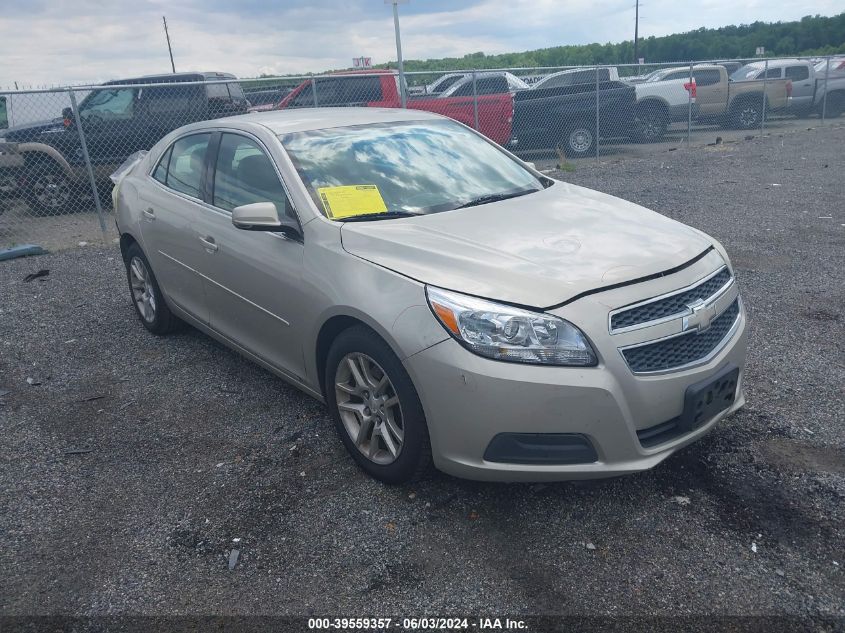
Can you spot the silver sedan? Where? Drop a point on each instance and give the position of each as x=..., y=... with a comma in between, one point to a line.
x=451, y=305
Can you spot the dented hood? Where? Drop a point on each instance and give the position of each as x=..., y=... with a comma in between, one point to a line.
x=536, y=250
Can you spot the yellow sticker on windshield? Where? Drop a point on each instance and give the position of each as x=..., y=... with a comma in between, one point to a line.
x=351, y=200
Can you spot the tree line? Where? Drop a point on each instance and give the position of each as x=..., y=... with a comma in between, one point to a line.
x=811, y=35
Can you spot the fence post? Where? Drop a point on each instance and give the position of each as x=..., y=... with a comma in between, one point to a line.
x=474, y=100
x=88, y=167
x=689, y=105
x=765, y=83
x=824, y=98
x=598, y=119
x=314, y=91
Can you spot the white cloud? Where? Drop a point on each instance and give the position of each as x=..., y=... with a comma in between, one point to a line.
x=63, y=41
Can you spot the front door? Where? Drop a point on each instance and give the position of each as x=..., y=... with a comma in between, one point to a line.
x=252, y=278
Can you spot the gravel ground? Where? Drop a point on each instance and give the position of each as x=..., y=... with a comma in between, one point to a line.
x=130, y=470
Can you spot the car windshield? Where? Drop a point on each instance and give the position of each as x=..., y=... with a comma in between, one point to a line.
x=404, y=168
x=749, y=71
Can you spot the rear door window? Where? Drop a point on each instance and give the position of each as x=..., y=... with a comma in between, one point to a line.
x=483, y=86
x=798, y=73
x=706, y=77
x=187, y=163
x=4, y=115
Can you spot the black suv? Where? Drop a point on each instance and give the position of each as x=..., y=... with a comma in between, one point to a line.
x=122, y=117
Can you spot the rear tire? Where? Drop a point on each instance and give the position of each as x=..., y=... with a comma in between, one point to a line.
x=747, y=115
x=149, y=303
x=375, y=408
x=579, y=140
x=835, y=105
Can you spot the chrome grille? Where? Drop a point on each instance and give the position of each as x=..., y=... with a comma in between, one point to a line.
x=675, y=352
x=673, y=305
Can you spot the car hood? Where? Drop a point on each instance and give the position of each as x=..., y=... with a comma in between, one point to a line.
x=30, y=131
x=537, y=250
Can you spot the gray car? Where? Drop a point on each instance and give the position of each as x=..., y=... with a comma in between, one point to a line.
x=450, y=304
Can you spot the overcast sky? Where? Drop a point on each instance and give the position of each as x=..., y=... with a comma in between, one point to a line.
x=72, y=41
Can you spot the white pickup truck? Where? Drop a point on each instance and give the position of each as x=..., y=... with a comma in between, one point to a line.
x=808, y=83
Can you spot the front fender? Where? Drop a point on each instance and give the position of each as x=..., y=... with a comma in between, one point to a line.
x=26, y=149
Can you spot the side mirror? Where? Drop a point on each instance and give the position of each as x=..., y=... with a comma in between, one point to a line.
x=263, y=216
x=67, y=116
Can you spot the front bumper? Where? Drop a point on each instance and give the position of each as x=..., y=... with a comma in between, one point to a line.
x=469, y=400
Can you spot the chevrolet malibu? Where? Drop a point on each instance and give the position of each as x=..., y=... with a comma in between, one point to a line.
x=450, y=304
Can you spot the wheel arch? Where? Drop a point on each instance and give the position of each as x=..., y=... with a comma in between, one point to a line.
x=126, y=241
x=34, y=153
x=331, y=328
x=657, y=103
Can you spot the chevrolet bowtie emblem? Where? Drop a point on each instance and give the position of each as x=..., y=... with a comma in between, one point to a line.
x=700, y=317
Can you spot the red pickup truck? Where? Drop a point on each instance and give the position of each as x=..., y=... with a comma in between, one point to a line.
x=380, y=89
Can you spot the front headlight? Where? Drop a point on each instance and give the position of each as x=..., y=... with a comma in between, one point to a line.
x=506, y=333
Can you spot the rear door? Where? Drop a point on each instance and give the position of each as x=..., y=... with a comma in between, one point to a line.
x=252, y=278
x=802, y=86
x=170, y=209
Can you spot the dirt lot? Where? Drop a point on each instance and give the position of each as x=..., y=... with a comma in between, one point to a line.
x=133, y=463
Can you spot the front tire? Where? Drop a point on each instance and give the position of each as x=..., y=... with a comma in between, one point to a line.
x=650, y=124
x=375, y=408
x=48, y=190
x=146, y=295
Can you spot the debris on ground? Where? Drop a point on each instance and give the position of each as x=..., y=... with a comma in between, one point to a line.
x=41, y=273
x=233, y=558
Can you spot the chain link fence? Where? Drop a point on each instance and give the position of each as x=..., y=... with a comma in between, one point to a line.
x=59, y=147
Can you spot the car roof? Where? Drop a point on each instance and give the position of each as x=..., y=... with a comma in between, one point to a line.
x=778, y=63
x=306, y=119
x=175, y=77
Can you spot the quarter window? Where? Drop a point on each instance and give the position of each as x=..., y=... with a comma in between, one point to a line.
x=186, y=165
x=160, y=172
x=245, y=174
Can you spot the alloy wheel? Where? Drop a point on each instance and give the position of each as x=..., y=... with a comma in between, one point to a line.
x=369, y=408
x=142, y=289
x=748, y=117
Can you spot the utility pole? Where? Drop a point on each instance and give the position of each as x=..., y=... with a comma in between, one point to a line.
x=637, y=32
x=169, y=50
x=402, y=88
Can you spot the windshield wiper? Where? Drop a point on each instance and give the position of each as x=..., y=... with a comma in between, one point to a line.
x=386, y=215
x=493, y=197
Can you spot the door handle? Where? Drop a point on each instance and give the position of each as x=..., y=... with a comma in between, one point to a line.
x=149, y=214
x=209, y=243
